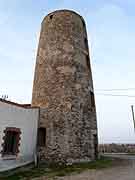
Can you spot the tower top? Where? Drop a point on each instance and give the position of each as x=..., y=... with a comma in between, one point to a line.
x=64, y=10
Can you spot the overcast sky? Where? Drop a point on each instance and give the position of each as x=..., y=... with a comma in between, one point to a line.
x=111, y=31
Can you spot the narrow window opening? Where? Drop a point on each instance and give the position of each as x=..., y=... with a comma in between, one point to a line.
x=95, y=146
x=88, y=62
x=11, y=141
x=92, y=99
x=86, y=43
x=41, y=136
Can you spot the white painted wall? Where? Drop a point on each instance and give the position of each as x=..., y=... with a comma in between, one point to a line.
x=25, y=119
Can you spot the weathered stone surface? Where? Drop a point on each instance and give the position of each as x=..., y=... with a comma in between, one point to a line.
x=61, y=89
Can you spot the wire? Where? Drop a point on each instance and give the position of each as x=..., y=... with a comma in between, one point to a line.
x=119, y=95
x=127, y=89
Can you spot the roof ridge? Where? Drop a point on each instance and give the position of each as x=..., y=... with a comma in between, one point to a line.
x=26, y=106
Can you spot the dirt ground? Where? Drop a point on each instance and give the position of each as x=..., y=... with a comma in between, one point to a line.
x=123, y=171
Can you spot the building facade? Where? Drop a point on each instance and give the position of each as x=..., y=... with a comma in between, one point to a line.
x=63, y=89
x=18, y=134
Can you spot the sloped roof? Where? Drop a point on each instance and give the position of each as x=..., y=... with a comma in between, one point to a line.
x=26, y=106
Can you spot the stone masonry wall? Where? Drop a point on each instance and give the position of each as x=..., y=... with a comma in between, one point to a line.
x=61, y=89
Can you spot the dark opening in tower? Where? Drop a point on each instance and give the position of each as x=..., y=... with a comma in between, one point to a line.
x=92, y=99
x=41, y=136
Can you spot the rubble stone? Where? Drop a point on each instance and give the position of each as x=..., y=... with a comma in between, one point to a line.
x=61, y=89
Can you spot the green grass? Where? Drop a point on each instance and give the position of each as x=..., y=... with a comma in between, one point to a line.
x=132, y=154
x=54, y=170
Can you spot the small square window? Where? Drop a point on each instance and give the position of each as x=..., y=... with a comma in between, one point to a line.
x=51, y=16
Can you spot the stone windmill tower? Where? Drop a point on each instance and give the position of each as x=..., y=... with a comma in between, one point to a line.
x=63, y=89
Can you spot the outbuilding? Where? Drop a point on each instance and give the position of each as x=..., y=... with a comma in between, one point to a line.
x=18, y=134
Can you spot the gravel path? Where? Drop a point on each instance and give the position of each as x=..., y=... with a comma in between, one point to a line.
x=119, y=173
x=125, y=171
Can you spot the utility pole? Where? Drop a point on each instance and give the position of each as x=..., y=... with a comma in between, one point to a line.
x=132, y=108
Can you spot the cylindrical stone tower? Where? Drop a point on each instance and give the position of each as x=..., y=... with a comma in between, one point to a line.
x=63, y=89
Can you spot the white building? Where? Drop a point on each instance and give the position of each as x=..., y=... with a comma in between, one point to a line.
x=18, y=134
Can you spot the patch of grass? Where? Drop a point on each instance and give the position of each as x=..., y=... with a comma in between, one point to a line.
x=55, y=170
x=131, y=154
x=19, y=174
